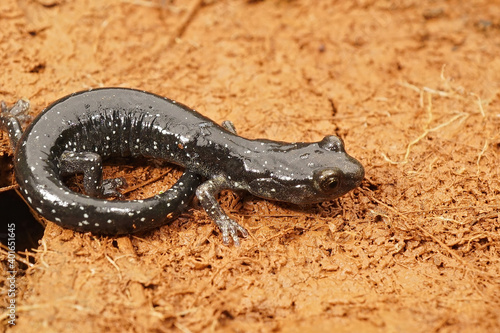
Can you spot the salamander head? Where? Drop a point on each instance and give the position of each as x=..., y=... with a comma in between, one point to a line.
x=309, y=173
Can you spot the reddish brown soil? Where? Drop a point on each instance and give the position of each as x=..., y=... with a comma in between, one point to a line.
x=411, y=86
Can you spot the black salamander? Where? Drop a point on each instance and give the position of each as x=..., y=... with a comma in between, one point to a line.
x=75, y=133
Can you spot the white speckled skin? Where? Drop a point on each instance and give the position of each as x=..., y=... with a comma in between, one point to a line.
x=73, y=135
x=125, y=122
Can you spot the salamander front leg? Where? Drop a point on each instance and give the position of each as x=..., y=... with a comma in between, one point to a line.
x=206, y=193
x=90, y=164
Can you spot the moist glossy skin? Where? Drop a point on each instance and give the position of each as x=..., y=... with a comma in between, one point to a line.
x=73, y=135
x=95, y=124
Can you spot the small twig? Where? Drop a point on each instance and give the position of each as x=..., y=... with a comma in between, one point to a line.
x=182, y=328
x=436, y=92
x=147, y=182
x=423, y=135
x=5, y=250
x=8, y=188
x=142, y=3
x=112, y=262
x=481, y=154
x=480, y=104
x=452, y=93
x=42, y=255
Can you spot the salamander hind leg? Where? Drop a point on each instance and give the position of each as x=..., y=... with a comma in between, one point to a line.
x=90, y=164
x=206, y=193
x=11, y=118
x=110, y=187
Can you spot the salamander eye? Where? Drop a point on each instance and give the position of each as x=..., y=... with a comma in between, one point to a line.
x=328, y=180
x=332, y=143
